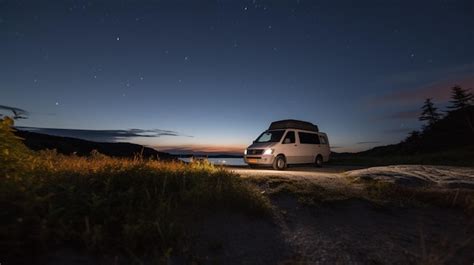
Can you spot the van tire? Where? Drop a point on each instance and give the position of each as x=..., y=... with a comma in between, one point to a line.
x=279, y=163
x=318, y=162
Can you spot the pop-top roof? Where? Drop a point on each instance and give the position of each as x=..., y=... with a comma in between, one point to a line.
x=293, y=124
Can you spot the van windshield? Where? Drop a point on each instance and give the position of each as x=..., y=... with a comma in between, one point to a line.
x=270, y=136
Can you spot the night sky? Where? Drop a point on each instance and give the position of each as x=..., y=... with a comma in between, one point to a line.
x=210, y=76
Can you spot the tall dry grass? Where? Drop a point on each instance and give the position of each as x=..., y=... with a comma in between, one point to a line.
x=135, y=207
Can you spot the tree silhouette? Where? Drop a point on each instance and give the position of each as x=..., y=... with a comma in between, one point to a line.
x=460, y=98
x=413, y=137
x=429, y=113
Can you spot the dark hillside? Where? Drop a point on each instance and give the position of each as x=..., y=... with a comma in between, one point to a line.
x=67, y=145
x=454, y=131
x=449, y=141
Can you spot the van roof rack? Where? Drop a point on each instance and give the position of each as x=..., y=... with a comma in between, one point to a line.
x=293, y=124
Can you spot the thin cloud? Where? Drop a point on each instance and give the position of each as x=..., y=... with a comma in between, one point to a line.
x=403, y=115
x=369, y=142
x=104, y=135
x=398, y=130
x=439, y=91
x=448, y=73
x=201, y=149
x=17, y=112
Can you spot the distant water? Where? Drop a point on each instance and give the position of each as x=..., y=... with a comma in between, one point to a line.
x=223, y=161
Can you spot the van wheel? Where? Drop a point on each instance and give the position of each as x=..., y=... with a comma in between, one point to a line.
x=279, y=163
x=319, y=161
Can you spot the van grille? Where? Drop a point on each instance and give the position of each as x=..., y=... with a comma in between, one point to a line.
x=254, y=151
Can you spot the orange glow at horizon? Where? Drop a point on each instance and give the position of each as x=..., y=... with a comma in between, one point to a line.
x=196, y=148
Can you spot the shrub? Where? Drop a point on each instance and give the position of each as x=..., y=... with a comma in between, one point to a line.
x=13, y=154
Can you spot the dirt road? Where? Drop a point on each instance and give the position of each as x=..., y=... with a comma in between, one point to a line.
x=326, y=176
x=407, y=175
x=354, y=230
x=293, y=171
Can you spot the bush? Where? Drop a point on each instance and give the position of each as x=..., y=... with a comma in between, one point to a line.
x=13, y=154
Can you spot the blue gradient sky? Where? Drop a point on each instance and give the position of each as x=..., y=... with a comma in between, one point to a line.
x=221, y=71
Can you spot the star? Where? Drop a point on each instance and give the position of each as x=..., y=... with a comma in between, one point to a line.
x=269, y=26
x=95, y=77
x=118, y=38
x=185, y=58
x=412, y=55
x=141, y=78
x=245, y=8
x=57, y=103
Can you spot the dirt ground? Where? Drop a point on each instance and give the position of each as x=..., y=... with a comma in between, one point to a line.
x=409, y=175
x=342, y=232
x=348, y=231
x=351, y=230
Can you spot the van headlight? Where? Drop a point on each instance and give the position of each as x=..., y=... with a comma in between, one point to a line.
x=268, y=151
x=245, y=152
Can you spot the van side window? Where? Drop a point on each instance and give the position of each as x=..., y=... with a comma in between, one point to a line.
x=289, y=138
x=323, y=140
x=308, y=138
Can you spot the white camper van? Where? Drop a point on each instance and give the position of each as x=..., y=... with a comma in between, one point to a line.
x=288, y=142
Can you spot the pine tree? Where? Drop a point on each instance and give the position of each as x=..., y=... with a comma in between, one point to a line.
x=413, y=136
x=460, y=98
x=429, y=113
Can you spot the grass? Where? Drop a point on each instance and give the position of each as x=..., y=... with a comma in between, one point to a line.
x=108, y=206
x=140, y=210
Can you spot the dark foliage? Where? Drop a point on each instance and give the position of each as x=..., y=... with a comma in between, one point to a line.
x=449, y=141
x=460, y=98
x=448, y=134
x=455, y=130
x=429, y=113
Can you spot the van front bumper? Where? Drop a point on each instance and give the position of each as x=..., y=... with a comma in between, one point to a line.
x=259, y=159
